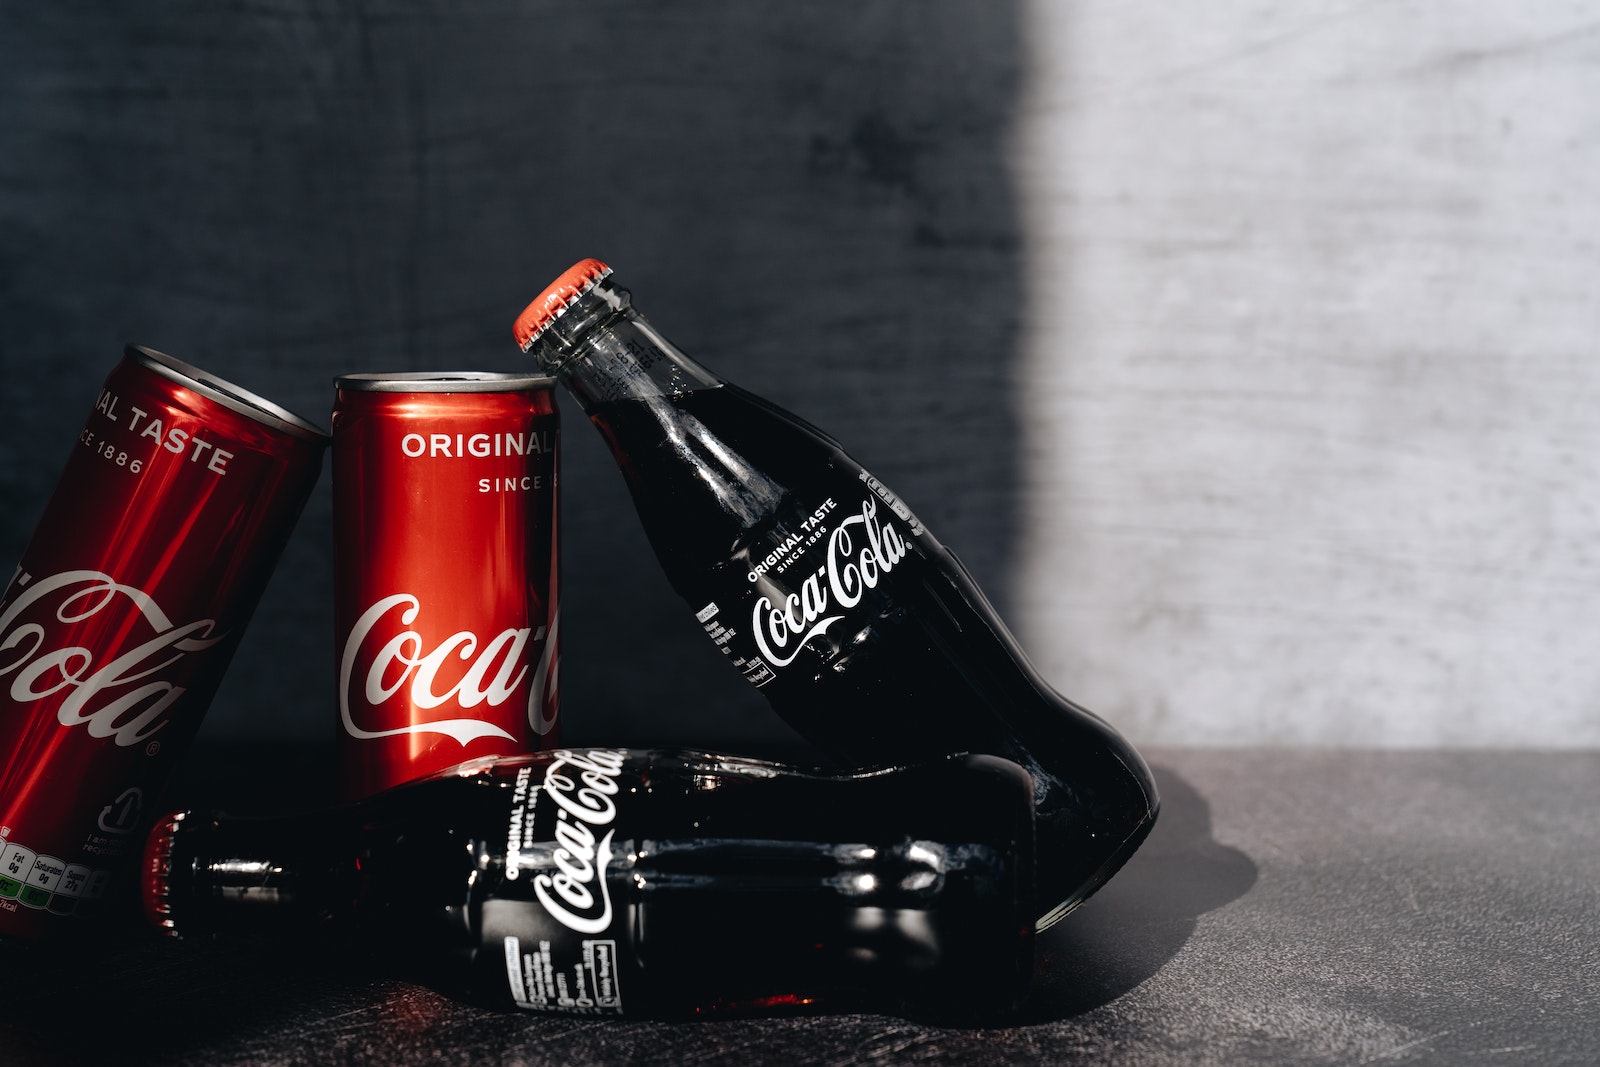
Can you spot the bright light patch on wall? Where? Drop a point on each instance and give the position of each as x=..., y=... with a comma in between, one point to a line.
x=1309, y=373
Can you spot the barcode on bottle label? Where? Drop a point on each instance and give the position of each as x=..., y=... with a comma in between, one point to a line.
x=753, y=668
x=586, y=986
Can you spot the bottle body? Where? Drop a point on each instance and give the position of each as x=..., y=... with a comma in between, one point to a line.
x=817, y=583
x=646, y=882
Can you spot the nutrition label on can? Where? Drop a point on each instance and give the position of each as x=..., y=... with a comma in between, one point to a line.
x=754, y=669
x=46, y=883
x=587, y=985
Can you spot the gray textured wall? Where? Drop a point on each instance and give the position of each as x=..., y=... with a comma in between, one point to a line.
x=1312, y=339
x=813, y=197
x=1246, y=354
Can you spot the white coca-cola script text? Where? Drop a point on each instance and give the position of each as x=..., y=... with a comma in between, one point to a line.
x=108, y=698
x=494, y=673
x=861, y=550
x=582, y=785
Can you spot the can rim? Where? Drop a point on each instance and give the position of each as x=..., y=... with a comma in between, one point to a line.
x=224, y=392
x=452, y=381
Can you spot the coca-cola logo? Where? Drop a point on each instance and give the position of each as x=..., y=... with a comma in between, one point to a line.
x=373, y=669
x=861, y=550
x=582, y=785
x=545, y=701
x=125, y=699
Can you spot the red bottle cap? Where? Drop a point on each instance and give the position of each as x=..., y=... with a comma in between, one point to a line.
x=156, y=873
x=579, y=279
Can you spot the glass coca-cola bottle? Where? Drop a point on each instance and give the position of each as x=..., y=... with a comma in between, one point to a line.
x=864, y=633
x=643, y=883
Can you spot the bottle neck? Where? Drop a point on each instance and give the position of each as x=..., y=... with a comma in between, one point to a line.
x=213, y=874
x=639, y=390
x=603, y=350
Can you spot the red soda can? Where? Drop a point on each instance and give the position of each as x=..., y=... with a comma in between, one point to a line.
x=119, y=622
x=445, y=583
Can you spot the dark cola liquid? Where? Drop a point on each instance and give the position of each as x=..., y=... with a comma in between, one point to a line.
x=652, y=883
x=865, y=634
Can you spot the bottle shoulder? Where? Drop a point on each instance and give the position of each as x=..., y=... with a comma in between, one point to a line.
x=715, y=469
x=731, y=427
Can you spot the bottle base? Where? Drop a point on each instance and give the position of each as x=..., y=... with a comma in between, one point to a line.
x=1102, y=874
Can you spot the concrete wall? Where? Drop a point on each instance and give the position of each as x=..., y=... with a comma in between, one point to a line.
x=1245, y=353
x=1309, y=378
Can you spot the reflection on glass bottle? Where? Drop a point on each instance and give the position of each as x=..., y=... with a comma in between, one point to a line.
x=644, y=882
x=866, y=634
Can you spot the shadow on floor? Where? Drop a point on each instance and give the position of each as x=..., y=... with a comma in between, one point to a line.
x=1142, y=917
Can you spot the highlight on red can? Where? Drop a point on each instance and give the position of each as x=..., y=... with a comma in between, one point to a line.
x=175, y=502
x=446, y=585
